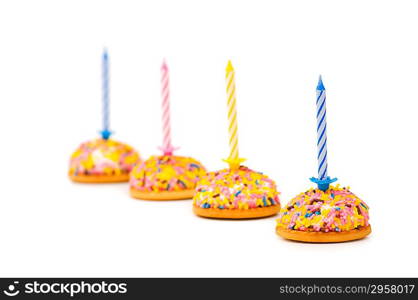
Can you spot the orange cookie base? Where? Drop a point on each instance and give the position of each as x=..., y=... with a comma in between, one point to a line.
x=250, y=213
x=163, y=195
x=99, y=178
x=324, y=237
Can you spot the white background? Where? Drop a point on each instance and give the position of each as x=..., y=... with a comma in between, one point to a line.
x=50, y=95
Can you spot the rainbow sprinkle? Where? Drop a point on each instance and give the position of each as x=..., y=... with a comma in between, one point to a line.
x=167, y=173
x=236, y=189
x=103, y=157
x=334, y=210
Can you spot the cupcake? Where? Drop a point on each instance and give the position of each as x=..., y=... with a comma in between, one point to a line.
x=316, y=216
x=166, y=177
x=102, y=160
x=238, y=193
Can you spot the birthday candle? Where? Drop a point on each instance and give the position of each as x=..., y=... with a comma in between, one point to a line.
x=165, y=94
x=232, y=113
x=105, y=90
x=321, y=117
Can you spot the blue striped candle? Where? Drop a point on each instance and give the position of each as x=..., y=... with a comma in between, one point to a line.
x=321, y=129
x=105, y=94
x=323, y=180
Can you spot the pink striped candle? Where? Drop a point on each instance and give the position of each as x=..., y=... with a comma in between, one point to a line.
x=167, y=147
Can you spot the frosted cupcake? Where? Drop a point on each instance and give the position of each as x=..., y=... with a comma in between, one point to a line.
x=334, y=215
x=166, y=177
x=102, y=160
x=236, y=194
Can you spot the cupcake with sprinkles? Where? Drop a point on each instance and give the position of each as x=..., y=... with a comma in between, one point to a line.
x=103, y=160
x=167, y=176
x=327, y=213
x=334, y=215
x=237, y=192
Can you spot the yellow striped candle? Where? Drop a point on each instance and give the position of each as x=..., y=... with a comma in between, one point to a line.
x=233, y=159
